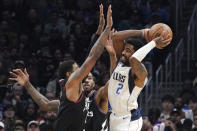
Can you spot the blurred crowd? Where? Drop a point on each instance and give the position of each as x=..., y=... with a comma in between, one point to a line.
x=39, y=34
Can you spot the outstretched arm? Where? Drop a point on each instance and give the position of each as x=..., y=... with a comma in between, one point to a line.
x=126, y=34
x=23, y=79
x=102, y=94
x=75, y=79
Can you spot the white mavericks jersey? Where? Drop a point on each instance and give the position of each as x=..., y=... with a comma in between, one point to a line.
x=122, y=92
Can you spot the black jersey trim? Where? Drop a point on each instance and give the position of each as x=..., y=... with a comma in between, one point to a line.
x=131, y=81
x=80, y=98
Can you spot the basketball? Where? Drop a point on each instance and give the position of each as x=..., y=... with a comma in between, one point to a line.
x=159, y=29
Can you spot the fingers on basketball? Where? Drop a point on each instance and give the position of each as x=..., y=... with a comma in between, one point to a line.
x=162, y=30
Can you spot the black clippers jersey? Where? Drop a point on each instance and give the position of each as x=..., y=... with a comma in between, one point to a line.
x=70, y=114
x=94, y=116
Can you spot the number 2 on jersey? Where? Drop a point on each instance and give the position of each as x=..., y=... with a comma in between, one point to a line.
x=119, y=88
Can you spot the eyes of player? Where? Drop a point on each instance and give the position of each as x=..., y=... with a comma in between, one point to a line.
x=128, y=50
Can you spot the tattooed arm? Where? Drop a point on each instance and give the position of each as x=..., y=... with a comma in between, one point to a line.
x=121, y=36
x=139, y=72
x=72, y=85
x=23, y=79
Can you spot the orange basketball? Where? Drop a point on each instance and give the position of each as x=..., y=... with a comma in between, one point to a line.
x=159, y=29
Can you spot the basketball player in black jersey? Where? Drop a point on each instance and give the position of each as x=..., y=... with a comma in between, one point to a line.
x=72, y=102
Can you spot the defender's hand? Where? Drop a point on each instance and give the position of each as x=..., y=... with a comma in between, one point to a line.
x=21, y=77
x=109, y=18
x=101, y=21
x=109, y=44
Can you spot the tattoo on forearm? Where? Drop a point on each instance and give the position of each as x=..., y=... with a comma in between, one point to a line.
x=36, y=96
x=141, y=69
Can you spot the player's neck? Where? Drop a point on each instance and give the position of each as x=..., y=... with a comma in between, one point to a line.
x=124, y=64
x=89, y=93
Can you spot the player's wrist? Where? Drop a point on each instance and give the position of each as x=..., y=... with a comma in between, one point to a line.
x=152, y=44
x=27, y=84
x=141, y=53
x=145, y=34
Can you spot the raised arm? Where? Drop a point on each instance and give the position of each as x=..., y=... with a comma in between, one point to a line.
x=23, y=79
x=121, y=36
x=96, y=51
x=126, y=34
x=100, y=28
x=138, y=70
x=110, y=49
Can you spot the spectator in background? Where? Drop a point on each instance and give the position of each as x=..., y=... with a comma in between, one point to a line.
x=1, y=126
x=3, y=73
x=19, y=126
x=193, y=104
x=187, y=125
x=30, y=112
x=147, y=126
x=132, y=22
x=46, y=127
x=33, y=126
x=18, y=100
x=47, y=123
x=53, y=87
x=186, y=96
x=195, y=120
x=170, y=126
x=194, y=83
x=153, y=116
x=178, y=104
x=9, y=117
x=155, y=18
x=175, y=116
x=55, y=23
x=144, y=7
x=167, y=106
x=17, y=93
x=32, y=19
x=156, y=8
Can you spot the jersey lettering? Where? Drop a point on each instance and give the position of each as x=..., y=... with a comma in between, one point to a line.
x=119, y=77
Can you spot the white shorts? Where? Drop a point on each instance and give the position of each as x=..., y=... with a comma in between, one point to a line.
x=124, y=123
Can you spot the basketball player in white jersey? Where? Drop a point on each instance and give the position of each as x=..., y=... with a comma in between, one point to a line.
x=127, y=81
